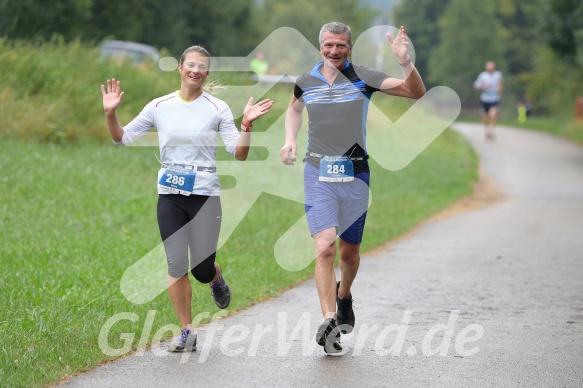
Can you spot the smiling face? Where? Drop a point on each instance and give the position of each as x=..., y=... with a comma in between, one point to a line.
x=194, y=70
x=335, y=49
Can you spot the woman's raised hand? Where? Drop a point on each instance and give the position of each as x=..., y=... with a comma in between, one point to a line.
x=253, y=112
x=112, y=96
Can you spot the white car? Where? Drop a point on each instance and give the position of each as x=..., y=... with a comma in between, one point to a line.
x=122, y=50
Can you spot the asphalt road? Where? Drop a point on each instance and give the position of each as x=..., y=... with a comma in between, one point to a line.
x=492, y=296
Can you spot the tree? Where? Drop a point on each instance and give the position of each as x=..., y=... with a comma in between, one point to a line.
x=308, y=16
x=222, y=26
x=557, y=78
x=218, y=25
x=564, y=29
x=123, y=20
x=521, y=37
x=520, y=33
x=22, y=19
x=420, y=20
x=462, y=51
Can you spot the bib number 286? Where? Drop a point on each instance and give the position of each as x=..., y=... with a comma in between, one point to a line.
x=177, y=180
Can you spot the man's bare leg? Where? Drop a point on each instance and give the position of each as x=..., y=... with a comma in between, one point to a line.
x=325, y=276
x=349, y=263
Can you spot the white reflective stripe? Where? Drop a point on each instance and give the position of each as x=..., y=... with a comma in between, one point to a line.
x=315, y=155
x=191, y=167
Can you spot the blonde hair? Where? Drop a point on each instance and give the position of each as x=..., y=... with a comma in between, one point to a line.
x=211, y=87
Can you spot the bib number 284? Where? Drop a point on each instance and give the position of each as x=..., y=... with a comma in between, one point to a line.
x=336, y=169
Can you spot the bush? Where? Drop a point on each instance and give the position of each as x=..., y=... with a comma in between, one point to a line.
x=50, y=90
x=554, y=85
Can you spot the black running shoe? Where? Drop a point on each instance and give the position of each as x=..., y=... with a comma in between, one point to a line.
x=221, y=293
x=344, y=313
x=328, y=336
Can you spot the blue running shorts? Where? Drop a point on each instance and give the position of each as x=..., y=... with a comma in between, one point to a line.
x=342, y=205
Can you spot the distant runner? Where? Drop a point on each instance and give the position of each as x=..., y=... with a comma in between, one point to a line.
x=490, y=82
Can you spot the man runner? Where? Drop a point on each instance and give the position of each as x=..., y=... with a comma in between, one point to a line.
x=490, y=82
x=336, y=176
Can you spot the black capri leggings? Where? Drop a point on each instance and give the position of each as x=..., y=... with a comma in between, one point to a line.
x=190, y=222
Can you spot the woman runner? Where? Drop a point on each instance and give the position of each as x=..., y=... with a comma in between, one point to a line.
x=189, y=207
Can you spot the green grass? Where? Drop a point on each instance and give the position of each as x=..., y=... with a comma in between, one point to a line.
x=76, y=212
x=73, y=218
x=564, y=127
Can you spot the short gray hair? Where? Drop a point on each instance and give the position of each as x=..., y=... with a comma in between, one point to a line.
x=336, y=28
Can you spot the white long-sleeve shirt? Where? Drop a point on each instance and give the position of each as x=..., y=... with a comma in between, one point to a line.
x=187, y=133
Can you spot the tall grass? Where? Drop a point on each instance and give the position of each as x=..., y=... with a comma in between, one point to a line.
x=49, y=91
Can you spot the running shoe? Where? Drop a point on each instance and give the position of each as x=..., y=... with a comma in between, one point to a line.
x=344, y=314
x=328, y=336
x=221, y=293
x=186, y=341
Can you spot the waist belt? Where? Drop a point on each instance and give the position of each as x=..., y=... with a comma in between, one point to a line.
x=189, y=167
x=318, y=156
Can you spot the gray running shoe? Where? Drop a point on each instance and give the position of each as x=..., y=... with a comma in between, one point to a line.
x=328, y=336
x=186, y=341
x=221, y=293
x=344, y=313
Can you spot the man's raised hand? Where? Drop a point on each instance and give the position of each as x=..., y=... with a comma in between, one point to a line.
x=400, y=45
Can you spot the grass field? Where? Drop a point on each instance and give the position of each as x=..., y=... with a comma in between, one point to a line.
x=73, y=218
x=76, y=212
